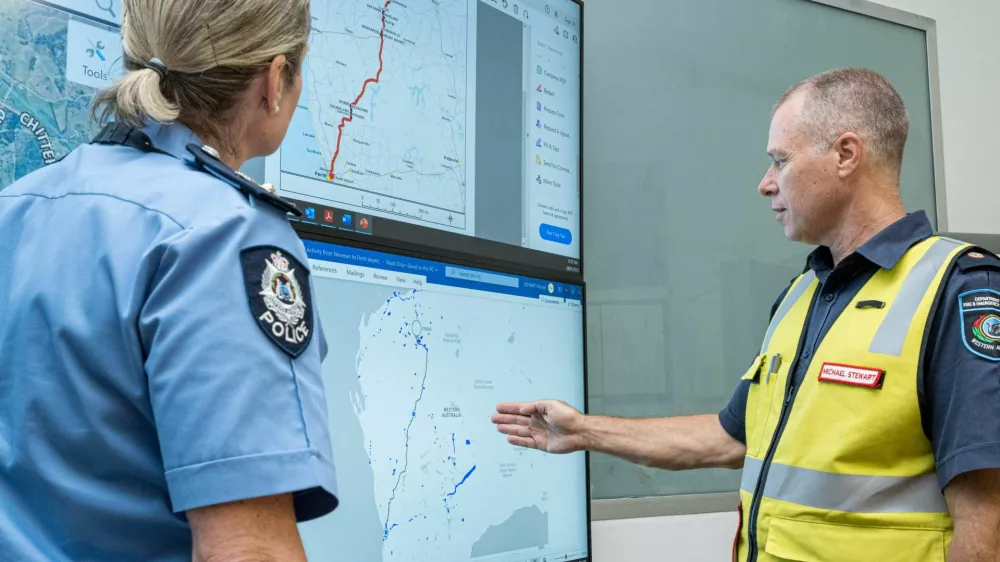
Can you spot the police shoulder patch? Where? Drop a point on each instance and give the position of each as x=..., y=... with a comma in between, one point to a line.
x=277, y=286
x=980, y=319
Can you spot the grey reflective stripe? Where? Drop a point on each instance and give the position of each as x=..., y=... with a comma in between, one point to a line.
x=847, y=492
x=792, y=297
x=751, y=470
x=895, y=326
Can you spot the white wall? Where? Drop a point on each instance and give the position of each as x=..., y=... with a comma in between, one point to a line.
x=684, y=538
x=968, y=48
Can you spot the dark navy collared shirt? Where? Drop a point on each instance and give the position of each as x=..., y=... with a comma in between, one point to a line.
x=960, y=391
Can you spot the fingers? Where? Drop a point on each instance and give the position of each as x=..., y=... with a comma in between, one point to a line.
x=525, y=442
x=518, y=430
x=518, y=408
x=510, y=419
x=545, y=407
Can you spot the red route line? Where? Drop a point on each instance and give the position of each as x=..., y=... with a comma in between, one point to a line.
x=346, y=120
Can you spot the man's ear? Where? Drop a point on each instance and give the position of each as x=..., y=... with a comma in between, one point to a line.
x=850, y=152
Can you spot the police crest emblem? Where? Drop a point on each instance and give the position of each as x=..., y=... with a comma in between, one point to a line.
x=278, y=301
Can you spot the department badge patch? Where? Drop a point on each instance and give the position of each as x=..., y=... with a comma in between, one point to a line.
x=981, y=322
x=281, y=304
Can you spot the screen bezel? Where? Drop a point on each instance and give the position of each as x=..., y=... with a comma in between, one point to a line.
x=335, y=237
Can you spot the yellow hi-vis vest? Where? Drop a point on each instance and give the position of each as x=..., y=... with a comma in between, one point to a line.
x=839, y=469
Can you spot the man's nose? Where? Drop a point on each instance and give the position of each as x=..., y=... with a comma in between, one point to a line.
x=767, y=186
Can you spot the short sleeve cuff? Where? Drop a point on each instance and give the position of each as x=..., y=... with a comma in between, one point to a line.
x=306, y=473
x=975, y=457
x=733, y=425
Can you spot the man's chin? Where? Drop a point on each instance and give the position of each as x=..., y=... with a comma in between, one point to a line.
x=792, y=233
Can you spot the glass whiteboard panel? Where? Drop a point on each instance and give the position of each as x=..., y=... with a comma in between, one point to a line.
x=683, y=256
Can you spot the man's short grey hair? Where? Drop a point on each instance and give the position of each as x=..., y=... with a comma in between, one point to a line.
x=859, y=101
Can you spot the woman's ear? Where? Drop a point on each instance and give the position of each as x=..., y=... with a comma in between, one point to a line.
x=275, y=83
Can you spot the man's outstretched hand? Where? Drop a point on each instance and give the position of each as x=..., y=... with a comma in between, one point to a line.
x=546, y=425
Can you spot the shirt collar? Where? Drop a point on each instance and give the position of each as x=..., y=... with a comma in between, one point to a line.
x=172, y=138
x=886, y=248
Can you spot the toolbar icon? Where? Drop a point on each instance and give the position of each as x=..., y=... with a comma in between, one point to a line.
x=96, y=49
x=364, y=224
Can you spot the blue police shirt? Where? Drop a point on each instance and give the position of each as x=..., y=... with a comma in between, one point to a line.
x=136, y=381
x=960, y=391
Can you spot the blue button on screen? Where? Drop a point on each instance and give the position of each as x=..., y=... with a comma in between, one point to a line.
x=555, y=234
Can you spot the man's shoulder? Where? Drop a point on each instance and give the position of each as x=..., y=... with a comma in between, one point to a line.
x=968, y=304
x=973, y=268
x=974, y=259
x=784, y=293
x=777, y=301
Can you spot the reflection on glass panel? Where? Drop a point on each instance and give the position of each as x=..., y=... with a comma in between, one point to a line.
x=683, y=257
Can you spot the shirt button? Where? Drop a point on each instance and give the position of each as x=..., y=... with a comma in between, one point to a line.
x=829, y=297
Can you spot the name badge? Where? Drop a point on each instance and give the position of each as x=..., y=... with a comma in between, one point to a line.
x=852, y=375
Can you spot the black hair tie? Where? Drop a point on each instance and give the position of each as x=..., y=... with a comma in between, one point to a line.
x=156, y=65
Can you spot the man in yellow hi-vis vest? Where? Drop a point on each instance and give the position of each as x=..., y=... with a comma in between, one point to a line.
x=868, y=425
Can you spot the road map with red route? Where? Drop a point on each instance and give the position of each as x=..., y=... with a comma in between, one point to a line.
x=383, y=111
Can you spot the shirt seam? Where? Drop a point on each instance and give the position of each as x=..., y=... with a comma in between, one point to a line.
x=726, y=416
x=298, y=400
x=122, y=199
x=728, y=413
x=966, y=449
x=309, y=450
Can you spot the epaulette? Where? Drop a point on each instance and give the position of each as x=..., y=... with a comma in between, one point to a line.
x=975, y=258
x=206, y=159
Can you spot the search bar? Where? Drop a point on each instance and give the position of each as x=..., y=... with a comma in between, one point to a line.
x=480, y=276
x=105, y=11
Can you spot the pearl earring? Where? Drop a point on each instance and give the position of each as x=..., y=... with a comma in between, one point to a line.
x=276, y=109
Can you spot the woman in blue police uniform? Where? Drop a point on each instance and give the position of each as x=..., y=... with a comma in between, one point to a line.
x=160, y=390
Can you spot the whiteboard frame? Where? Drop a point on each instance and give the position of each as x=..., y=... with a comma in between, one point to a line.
x=929, y=27
x=690, y=504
